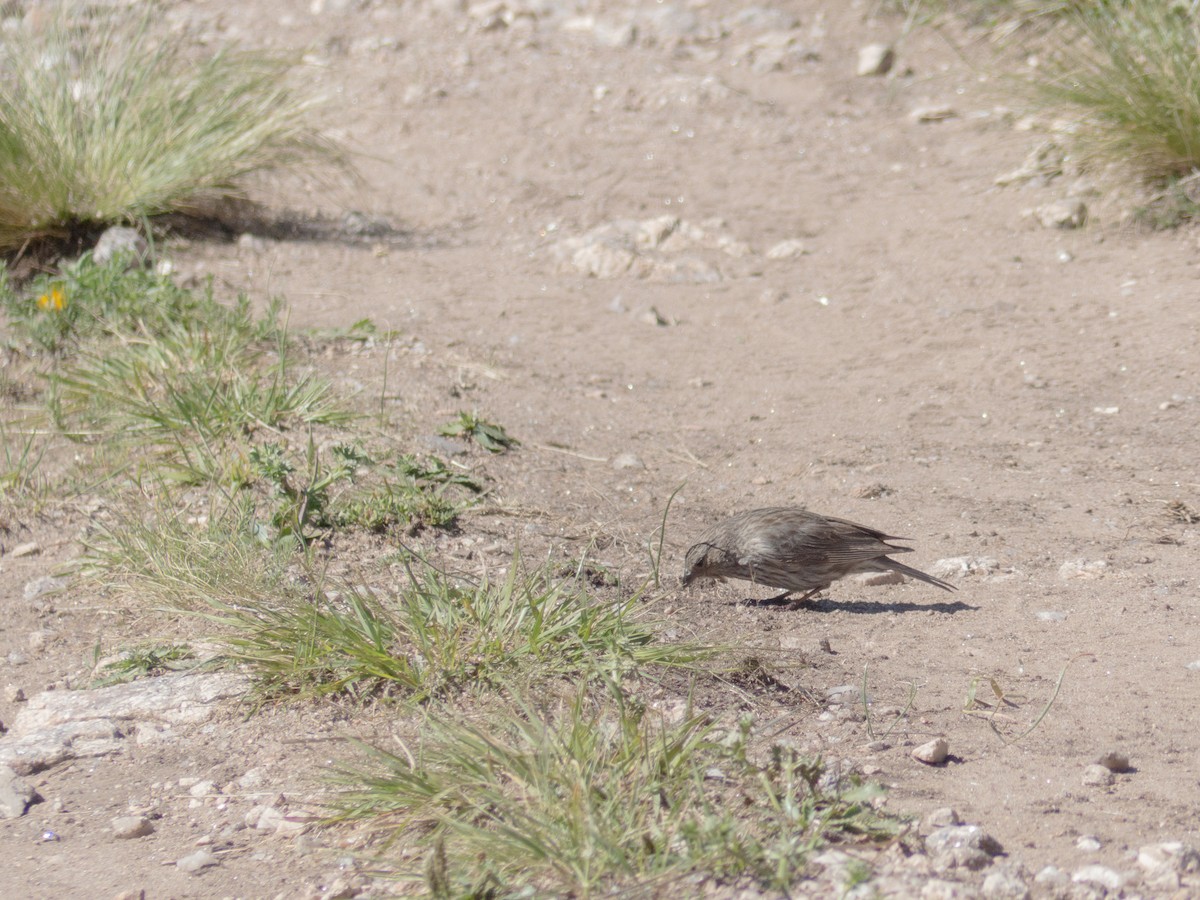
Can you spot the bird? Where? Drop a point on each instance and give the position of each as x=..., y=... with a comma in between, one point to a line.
x=792, y=548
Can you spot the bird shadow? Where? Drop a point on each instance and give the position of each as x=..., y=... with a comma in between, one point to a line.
x=825, y=605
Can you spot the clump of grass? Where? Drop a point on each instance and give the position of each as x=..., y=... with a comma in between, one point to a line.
x=488, y=435
x=104, y=119
x=145, y=662
x=1132, y=73
x=439, y=635
x=599, y=795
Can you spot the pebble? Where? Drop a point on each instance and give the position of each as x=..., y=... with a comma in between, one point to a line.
x=1114, y=761
x=30, y=548
x=932, y=753
x=961, y=566
x=14, y=694
x=933, y=113
x=1102, y=876
x=203, y=789
x=1065, y=214
x=121, y=241
x=1052, y=878
x=627, y=461
x=875, y=60
x=39, y=587
x=961, y=847
x=1097, y=775
x=788, y=249
x=940, y=818
x=1082, y=569
x=1050, y=615
x=129, y=827
x=1005, y=885
x=194, y=863
x=1088, y=844
x=16, y=794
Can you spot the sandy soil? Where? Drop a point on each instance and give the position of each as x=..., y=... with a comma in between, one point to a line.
x=934, y=363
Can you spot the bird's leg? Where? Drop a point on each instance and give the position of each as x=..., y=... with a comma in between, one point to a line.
x=782, y=599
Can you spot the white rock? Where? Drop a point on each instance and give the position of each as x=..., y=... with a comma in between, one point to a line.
x=119, y=241
x=196, y=862
x=1088, y=844
x=933, y=113
x=962, y=566
x=1066, y=214
x=1102, y=876
x=875, y=59
x=1097, y=776
x=940, y=818
x=788, y=249
x=1004, y=885
x=129, y=827
x=1083, y=569
x=30, y=548
x=932, y=753
x=203, y=789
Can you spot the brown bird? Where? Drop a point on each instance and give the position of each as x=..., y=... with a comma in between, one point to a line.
x=794, y=549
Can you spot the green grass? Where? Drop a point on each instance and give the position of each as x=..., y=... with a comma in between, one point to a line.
x=438, y=636
x=1131, y=74
x=597, y=794
x=105, y=118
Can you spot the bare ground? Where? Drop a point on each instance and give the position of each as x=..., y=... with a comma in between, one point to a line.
x=935, y=363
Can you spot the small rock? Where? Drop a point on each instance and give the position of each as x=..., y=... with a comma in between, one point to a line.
x=131, y=895
x=119, y=241
x=194, y=863
x=1165, y=863
x=1050, y=615
x=251, y=243
x=962, y=846
x=14, y=694
x=1043, y=164
x=1114, y=761
x=788, y=249
x=39, y=587
x=1088, y=844
x=129, y=827
x=30, y=548
x=1069, y=213
x=878, y=746
x=875, y=59
x=962, y=566
x=444, y=445
x=16, y=794
x=627, y=461
x=940, y=818
x=933, y=113
x=339, y=889
x=39, y=639
x=1052, y=878
x=874, y=579
x=1082, y=569
x=1004, y=885
x=1097, y=776
x=932, y=753
x=203, y=789
x=1102, y=876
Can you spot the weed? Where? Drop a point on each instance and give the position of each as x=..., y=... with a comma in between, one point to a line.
x=145, y=662
x=488, y=435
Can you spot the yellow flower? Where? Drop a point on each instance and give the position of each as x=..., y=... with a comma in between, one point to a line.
x=54, y=300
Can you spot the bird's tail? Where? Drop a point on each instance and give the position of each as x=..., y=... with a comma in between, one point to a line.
x=917, y=574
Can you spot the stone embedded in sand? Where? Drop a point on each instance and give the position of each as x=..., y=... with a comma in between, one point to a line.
x=16, y=794
x=933, y=113
x=942, y=817
x=962, y=847
x=129, y=827
x=932, y=753
x=1065, y=214
x=1114, y=761
x=1101, y=876
x=196, y=862
x=1088, y=844
x=788, y=249
x=1097, y=775
x=875, y=59
x=1082, y=569
x=30, y=548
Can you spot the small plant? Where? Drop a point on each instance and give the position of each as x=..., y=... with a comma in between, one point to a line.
x=488, y=435
x=304, y=503
x=596, y=794
x=106, y=119
x=145, y=662
x=976, y=706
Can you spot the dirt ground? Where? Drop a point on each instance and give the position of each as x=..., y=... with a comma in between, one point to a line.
x=933, y=362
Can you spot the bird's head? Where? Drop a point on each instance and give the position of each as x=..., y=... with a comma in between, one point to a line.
x=698, y=562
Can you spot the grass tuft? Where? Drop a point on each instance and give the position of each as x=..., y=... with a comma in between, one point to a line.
x=597, y=795
x=105, y=119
